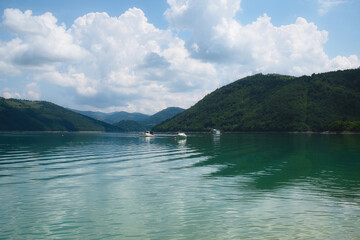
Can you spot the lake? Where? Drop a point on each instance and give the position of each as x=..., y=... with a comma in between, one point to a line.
x=233, y=186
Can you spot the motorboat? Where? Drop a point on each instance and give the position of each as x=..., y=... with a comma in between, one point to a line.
x=181, y=135
x=215, y=131
x=147, y=134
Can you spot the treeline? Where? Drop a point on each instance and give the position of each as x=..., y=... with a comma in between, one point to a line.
x=341, y=126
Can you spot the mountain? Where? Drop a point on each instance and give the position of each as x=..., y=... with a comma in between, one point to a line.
x=23, y=115
x=130, y=126
x=95, y=115
x=320, y=102
x=133, y=121
x=113, y=117
x=161, y=116
x=118, y=116
x=149, y=122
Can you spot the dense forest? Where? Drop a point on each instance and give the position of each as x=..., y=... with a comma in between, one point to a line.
x=23, y=115
x=320, y=102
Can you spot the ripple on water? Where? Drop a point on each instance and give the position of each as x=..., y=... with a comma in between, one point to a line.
x=255, y=186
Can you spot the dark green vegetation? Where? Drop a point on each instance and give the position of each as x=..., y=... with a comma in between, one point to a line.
x=23, y=115
x=161, y=116
x=321, y=102
x=130, y=126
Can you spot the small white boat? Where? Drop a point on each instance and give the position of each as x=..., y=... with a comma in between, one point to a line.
x=215, y=131
x=147, y=134
x=182, y=135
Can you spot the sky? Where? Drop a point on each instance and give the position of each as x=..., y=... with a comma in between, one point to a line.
x=144, y=56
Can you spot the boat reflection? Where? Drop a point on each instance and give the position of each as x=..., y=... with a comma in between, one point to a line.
x=182, y=142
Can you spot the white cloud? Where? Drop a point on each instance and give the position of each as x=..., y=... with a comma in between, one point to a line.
x=126, y=63
x=217, y=37
x=33, y=91
x=124, y=57
x=326, y=5
x=341, y=62
x=40, y=41
x=7, y=52
x=132, y=58
x=7, y=93
x=71, y=78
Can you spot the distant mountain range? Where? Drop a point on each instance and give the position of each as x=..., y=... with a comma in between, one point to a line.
x=321, y=102
x=134, y=121
x=24, y=115
x=114, y=117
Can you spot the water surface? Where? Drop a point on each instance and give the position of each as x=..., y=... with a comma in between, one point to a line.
x=233, y=186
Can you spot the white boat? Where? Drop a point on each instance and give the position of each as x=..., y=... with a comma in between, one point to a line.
x=147, y=134
x=182, y=135
x=215, y=131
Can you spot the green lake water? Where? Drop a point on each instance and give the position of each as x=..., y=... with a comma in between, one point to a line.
x=233, y=186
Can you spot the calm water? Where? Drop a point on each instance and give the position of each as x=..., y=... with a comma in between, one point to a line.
x=236, y=186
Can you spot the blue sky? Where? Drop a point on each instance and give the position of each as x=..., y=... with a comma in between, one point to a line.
x=143, y=56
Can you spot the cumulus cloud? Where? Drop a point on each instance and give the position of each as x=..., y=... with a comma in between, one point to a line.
x=132, y=58
x=7, y=52
x=71, y=78
x=260, y=46
x=124, y=57
x=126, y=63
x=40, y=41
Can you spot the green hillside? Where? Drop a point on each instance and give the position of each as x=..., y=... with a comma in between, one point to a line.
x=161, y=116
x=23, y=115
x=130, y=126
x=327, y=101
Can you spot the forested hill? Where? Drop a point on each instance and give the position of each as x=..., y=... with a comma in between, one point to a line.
x=23, y=115
x=161, y=116
x=321, y=102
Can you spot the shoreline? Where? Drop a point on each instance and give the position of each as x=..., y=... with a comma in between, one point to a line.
x=174, y=132
x=273, y=132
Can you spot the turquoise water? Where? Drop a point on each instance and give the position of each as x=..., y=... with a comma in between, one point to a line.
x=233, y=186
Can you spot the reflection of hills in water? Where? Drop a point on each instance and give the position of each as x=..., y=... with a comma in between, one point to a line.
x=42, y=142
x=271, y=161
